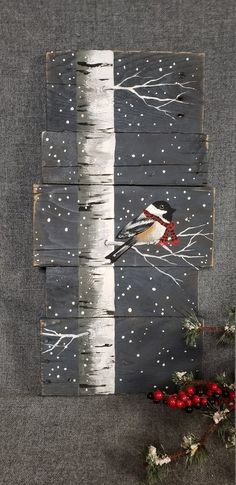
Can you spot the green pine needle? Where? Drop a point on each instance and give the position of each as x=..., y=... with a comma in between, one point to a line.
x=226, y=430
x=192, y=327
x=228, y=336
x=181, y=379
x=156, y=474
x=199, y=457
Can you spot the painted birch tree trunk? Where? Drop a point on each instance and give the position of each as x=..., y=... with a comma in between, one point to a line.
x=96, y=151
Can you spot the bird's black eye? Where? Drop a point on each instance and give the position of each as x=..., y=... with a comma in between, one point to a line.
x=161, y=206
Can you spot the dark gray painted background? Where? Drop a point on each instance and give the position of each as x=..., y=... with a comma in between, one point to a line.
x=98, y=440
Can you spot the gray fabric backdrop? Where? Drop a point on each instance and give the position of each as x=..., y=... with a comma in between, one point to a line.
x=98, y=440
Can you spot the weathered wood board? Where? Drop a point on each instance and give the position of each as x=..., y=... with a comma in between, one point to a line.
x=81, y=292
x=134, y=355
x=123, y=136
x=151, y=92
x=139, y=159
x=76, y=225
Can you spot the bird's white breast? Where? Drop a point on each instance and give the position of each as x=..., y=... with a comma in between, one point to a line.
x=156, y=232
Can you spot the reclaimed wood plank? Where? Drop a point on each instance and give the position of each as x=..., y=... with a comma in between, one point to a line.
x=148, y=159
x=143, y=352
x=92, y=292
x=88, y=228
x=151, y=92
x=196, y=175
x=132, y=149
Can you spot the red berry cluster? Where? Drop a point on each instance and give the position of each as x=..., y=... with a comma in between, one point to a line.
x=196, y=396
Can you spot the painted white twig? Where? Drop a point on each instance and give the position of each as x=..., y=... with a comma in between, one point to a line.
x=177, y=281
x=60, y=337
x=154, y=83
x=182, y=253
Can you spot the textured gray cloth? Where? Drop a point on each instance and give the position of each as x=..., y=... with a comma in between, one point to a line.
x=97, y=441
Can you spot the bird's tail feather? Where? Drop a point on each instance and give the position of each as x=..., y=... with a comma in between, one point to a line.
x=117, y=253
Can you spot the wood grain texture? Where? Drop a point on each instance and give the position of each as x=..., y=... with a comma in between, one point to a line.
x=153, y=92
x=149, y=159
x=144, y=351
x=91, y=292
x=72, y=221
x=195, y=175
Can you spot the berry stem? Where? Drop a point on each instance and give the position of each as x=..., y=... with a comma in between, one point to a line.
x=210, y=328
x=180, y=453
x=211, y=428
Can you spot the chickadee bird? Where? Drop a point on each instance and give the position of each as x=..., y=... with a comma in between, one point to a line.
x=153, y=225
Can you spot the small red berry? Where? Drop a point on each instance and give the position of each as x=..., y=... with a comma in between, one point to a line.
x=182, y=396
x=190, y=390
x=157, y=395
x=209, y=392
x=189, y=402
x=171, y=402
x=196, y=399
x=204, y=401
x=179, y=403
x=219, y=391
x=231, y=405
x=213, y=386
x=232, y=395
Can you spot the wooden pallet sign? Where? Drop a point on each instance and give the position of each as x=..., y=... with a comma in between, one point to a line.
x=123, y=220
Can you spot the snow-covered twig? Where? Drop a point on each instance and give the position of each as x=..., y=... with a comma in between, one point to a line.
x=182, y=253
x=60, y=337
x=154, y=100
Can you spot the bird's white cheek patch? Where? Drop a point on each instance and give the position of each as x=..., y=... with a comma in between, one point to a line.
x=156, y=212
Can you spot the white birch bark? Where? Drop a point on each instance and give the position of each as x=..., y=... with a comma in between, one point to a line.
x=96, y=152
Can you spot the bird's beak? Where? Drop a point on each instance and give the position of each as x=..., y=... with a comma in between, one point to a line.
x=173, y=210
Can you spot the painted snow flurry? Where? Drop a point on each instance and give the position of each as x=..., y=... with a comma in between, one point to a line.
x=123, y=220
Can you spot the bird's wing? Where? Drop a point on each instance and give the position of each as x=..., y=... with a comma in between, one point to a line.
x=134, y=227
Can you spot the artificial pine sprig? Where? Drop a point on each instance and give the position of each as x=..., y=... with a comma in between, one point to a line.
x=196, y=451
x=193, y=449
x=193, y=327
x=157, y=465
x=228, y=336
x=182, y=378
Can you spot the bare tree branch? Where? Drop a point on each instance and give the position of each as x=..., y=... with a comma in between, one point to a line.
x=154, y=83
x=60, y=337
